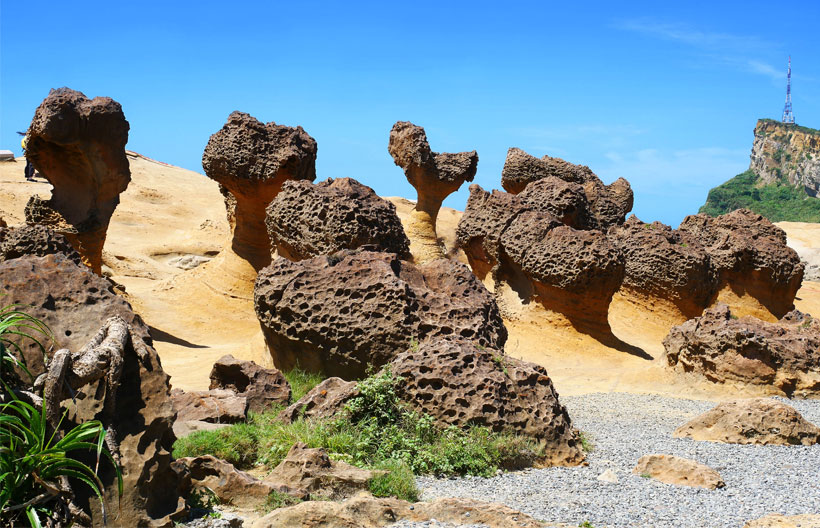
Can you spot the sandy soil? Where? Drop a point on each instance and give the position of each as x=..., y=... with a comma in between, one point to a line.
x=197, y=315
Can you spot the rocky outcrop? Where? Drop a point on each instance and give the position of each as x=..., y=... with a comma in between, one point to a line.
x=572, y=272
x=306, y=220
x=230, y=485
x=759, y=421
x=78, y=145
x=664, y=266
x=34, y=240
x=783, y=152
x=310, y=473
x=261, y=387
x=726, y=349
x=434, y=176
x=74, y=303
x=212, y=406
x=607, y=204
x=336, y=314
x=369, y=512
x=679, y=471
x=757, y=273
x=325, y=400
x=462, y=384
x=252, y=161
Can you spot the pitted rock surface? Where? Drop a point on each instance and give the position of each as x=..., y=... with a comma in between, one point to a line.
x=749, y=254
x=251, y=161
x=724, y=348
x=434, y=176
x=608, y=204
x=337, y=314
x=78, y=145
x=663, y=264
x=260, y=386
x=761, y=421
x=74, y=303
x=460, y=383
x=574, y=272
x=306, y=220
x=34, y=240
x=325, y=400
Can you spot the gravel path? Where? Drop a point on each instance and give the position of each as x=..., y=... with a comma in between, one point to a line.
x=624, y=427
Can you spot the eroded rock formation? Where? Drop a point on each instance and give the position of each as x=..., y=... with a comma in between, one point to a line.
x=460, y=383
x=75, y=303
x=36, y=240
x=663, y=266
x=325, y=400
x=212, y=406
x=726, y=349
x=252, y=160
x=786, y=152
x=607, y=204
x=679, y=471
x=230, y=485
x=306, y=220
x=757, y=273
x=761, y=421
x=336, y=314
x=260, y=386
x=434, y=176
x=571, y=272
x=78, y=145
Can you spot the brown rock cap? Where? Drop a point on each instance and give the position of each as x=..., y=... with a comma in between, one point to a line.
x=78, y=145
x=307, y=220
x=252, y=160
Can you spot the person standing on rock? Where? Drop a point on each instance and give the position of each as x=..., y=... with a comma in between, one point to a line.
x=29, y=170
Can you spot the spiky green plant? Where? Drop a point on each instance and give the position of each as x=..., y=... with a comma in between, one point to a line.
x=17, y=326
x=33, y=461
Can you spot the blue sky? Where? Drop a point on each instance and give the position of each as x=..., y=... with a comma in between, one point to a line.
x=664, y=95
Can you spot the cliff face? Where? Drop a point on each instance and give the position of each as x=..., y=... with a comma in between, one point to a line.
x=786, y=152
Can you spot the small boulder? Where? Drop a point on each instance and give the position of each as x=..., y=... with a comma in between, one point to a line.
x=679, y=471
x=307, y=220
x=214, y=406
x=608, y=476
x=325, y=400
x=307, y=472
x=752, y=421
x=776, y=520
x=230, y=485
x=260, y=386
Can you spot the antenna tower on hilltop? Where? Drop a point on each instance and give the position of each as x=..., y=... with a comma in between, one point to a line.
x=788, y=116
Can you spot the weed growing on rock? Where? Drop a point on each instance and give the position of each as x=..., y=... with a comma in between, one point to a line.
x=301, y=382
x=586, y=442
x=376, y=431
x=277, y=499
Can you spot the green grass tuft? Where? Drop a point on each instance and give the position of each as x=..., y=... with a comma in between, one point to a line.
x=301, y=382
x=399, y=481
x=277, y=499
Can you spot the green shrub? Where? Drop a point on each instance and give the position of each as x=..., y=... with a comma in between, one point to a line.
x=16, y=326
x=399, y=481
x=375, y=431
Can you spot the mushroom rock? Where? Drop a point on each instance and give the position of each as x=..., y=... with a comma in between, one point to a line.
x=757, y=273
x=462, y=384
x=251, y=161
x=572, y=273
x=608, y=204
x=78, y=145
x=665, y=271
x=307, y=220
x=337, y=314
x=778, y=358
x=434, y=176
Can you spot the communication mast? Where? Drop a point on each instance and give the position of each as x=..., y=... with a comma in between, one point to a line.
x=788, y=116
